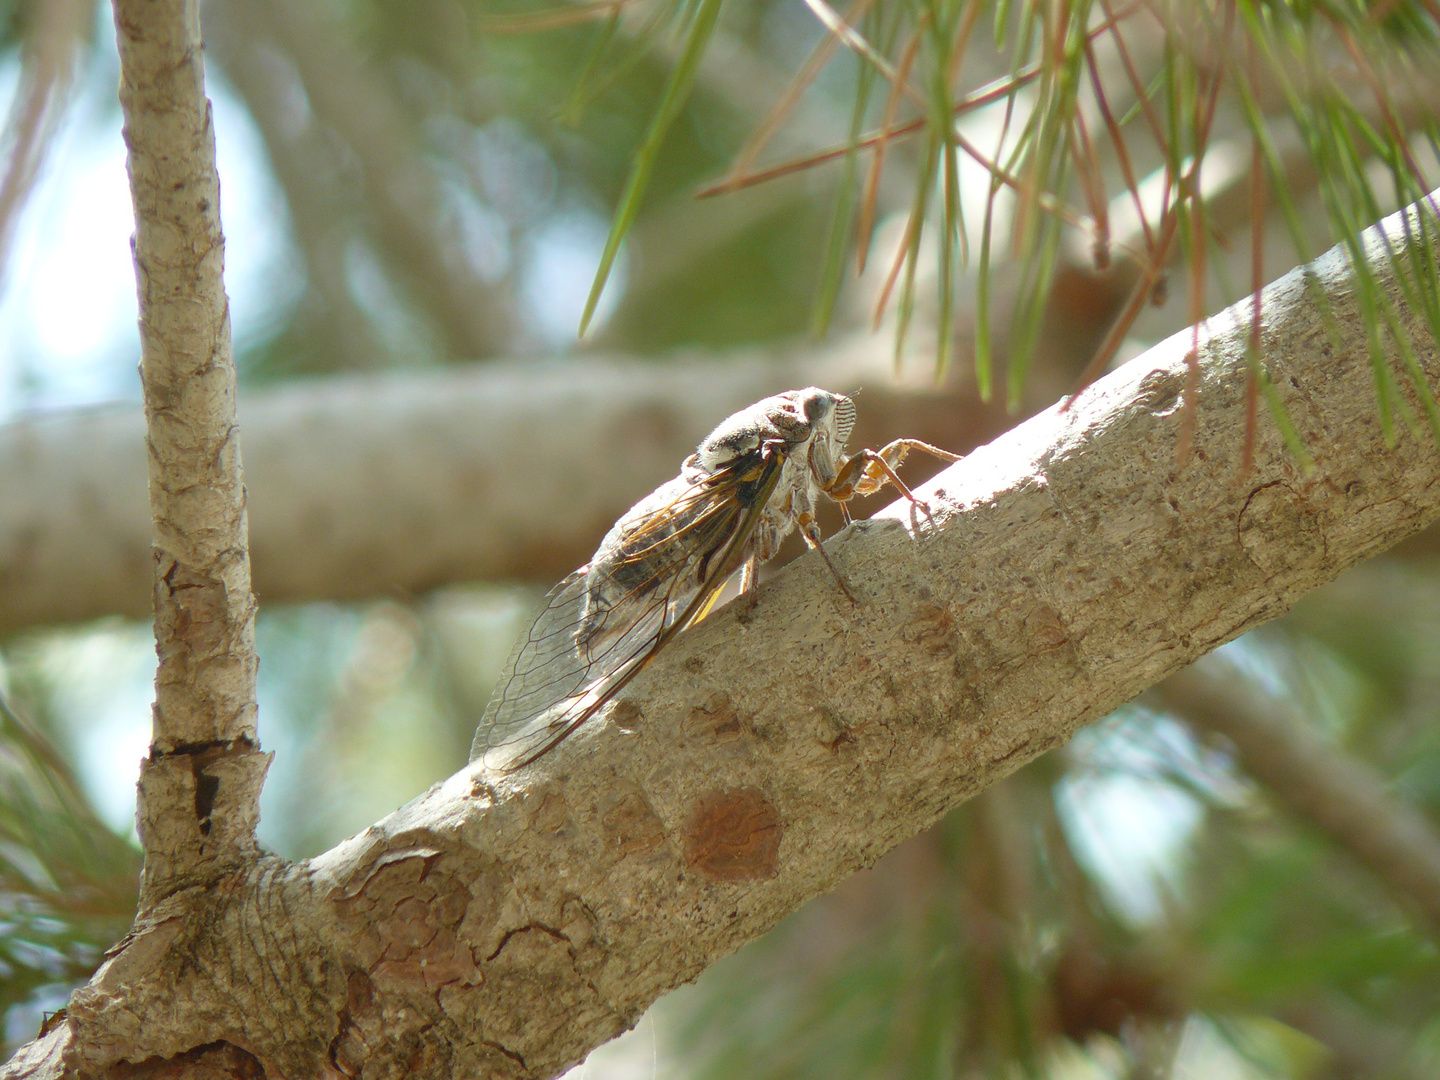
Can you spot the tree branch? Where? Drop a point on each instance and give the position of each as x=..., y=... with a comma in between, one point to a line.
x=364, y=486
x=1337, y=792
x=507, y=925
x=199, y=786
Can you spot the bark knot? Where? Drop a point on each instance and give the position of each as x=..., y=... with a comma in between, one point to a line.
x=632, y=825
x=932, y=629
x=1046, y=627
x=626, y=715
x=714, y=722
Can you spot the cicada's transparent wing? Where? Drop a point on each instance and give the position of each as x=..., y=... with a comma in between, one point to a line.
x=544, y=668
x=600, y=625
x=565, y=668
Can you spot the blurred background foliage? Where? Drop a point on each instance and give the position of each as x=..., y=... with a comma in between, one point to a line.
x=1013, y=194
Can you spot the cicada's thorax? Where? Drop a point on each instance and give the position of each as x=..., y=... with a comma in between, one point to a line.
x=812, y=457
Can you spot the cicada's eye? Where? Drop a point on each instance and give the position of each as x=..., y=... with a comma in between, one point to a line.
x=816, y=404
x=831, y=413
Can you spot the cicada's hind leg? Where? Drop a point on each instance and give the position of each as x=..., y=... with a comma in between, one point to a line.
x=749, y=581
x=810, y=532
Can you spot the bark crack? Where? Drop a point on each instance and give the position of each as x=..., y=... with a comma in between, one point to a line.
x=550, y=930
x=506, y=1051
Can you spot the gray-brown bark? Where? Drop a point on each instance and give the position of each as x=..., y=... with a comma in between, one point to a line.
x=505, y=925
x=199, y=785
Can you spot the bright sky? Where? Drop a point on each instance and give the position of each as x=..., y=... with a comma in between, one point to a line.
x=67, y=312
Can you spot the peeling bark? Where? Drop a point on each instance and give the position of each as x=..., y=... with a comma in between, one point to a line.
x=506, y=925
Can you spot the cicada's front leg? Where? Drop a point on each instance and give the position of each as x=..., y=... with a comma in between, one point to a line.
x=867, y=471
x=795, y=506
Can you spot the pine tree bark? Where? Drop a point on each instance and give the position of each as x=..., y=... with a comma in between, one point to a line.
x=199, y=786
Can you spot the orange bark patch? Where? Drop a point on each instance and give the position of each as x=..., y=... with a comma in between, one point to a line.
x=415, y=911
x=733, y=835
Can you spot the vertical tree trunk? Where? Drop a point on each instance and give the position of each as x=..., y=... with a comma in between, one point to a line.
x=200, y=783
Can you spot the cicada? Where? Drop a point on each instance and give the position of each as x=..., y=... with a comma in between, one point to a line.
x=752, y=481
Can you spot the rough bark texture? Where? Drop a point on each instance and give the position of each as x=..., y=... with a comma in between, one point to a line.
x=199, y=785
x=504, y=926
x=372, y=486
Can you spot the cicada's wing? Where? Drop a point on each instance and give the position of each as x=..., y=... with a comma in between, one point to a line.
x=544, y=668
x=604, y=622
x=554, y=681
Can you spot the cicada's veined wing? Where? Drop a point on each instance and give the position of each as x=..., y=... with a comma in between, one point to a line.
x=543, y=669
x=656, y=571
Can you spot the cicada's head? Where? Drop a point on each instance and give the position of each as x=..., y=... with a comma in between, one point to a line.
x=827, y=418
x=790, y=419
